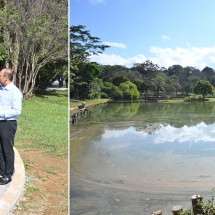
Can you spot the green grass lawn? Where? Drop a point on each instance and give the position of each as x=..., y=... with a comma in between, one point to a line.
x=182, y=100
x=43, y=124
x=74, y=103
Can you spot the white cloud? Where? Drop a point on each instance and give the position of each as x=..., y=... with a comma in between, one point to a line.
x=165, y=57
x=113, y=59
x=165, y=134
x=126, y=133
x=165, y=37
x=119, y=133
x=109, y=59
x=191, y=56
x=118, y=45
x=193, y=134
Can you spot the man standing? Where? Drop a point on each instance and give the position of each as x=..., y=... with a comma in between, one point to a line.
x=10, y=109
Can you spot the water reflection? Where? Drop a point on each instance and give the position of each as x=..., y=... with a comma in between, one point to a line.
x=153, y=148
x=196, y=139
x=186, y=128
x=176, y=115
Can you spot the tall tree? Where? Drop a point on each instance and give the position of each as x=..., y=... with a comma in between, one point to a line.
x=85, y=80
x=35, y=34
x=175, y=83
x=147, y=69
x=159, y=82
x=118, y=70
x=210, y=74
x=203, y=87
x=82, y=46
x=118, y=80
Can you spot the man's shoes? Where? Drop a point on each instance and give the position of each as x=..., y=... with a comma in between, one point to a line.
x=5, y=180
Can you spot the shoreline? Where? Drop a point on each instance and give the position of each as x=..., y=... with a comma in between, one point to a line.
x=97, y=195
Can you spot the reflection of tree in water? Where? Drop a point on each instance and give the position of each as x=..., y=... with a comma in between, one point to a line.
x=163, y=122
x=141, y=114
x=148, y=128
x=114, y=112
x=130, y=110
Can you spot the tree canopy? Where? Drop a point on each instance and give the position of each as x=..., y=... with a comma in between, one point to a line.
x=129, y=90
x=34, y=34
x=203, y=87
x=82, y=46
x=120, y=82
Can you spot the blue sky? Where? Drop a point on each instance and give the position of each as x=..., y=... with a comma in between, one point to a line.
x=167, y=32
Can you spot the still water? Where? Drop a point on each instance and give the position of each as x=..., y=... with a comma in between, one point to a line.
x=137, y=158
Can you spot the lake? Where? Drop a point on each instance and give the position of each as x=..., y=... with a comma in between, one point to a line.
x=135, y=158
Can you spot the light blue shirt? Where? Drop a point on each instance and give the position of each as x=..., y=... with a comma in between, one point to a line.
x=10, y=102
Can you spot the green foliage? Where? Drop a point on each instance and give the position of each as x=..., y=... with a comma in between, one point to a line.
x=118, y=80
x=148, y=78
x=138, y=83
x=193, y=98
x=103, y=95
x=174, y=70
x=117, y=93
x=82, y=73
x=2, y=52
x=86, y=83
x=129, y=90
x=75, y=103
x=203, y=208
x=114, y=71
x=187, y=87
x=159, y=82
x=145, y=86
x=203, y=87
x=83, y=44
x=34, y=35
x=49, y=73
x=95, y=89
x=108, y=88
x=147, y=68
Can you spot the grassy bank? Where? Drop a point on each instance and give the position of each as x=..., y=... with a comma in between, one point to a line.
x=74, y=104
x=182, y=100
x=42, y=142
x=43, y=124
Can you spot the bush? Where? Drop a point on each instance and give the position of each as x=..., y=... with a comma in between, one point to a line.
x=193, y=98
x=129, y=90
x=103, y=95
x=117, y=94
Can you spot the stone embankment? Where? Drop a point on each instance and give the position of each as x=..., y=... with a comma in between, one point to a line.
x=81, y=112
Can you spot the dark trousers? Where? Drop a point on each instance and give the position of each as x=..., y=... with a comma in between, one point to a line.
x=7, y=134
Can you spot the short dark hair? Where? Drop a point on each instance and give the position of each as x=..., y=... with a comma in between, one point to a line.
x=8, y=73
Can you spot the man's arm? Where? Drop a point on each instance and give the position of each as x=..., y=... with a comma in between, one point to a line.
x=16, y=107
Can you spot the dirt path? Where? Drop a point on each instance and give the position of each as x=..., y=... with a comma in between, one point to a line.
x=47, y=184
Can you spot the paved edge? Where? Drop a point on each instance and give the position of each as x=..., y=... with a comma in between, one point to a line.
x=12, y=195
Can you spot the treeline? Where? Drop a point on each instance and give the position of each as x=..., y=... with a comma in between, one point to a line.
x=91, y=80
x=119, y=82
x=34, y=41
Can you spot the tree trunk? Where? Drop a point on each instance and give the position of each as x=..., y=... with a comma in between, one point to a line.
x=32, y=38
